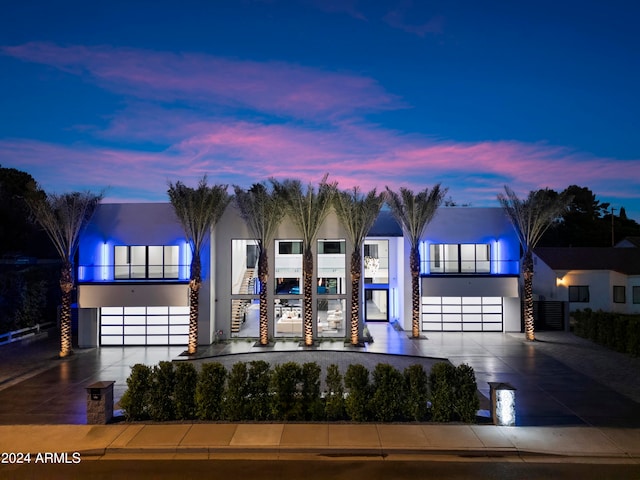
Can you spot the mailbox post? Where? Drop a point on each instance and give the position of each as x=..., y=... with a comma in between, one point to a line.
x=99, y=403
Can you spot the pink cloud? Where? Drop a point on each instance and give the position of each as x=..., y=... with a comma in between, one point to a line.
x=272, y=87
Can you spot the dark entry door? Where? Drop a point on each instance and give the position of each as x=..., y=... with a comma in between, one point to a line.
x=376, y=305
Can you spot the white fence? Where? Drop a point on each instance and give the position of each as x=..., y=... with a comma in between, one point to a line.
x=17, y=335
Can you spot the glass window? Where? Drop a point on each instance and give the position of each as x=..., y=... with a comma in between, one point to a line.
x=244, y=267
x=376, y=261
x=331, y=318
x=460, y=258
x=288, y=267
x=142, y=262
x=619, y=294
x=579, y=293
x=331, y=267
x=288, y=318
x=636, y=294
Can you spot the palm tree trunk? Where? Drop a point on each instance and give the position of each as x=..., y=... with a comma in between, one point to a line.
x=307, y=273
x=263, y=276
x=529, y=329
x=66, y=286
x=356, y=272
x=414, y=265
x=194, y=292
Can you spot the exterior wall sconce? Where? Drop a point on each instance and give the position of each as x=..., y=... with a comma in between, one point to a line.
x=503, y=403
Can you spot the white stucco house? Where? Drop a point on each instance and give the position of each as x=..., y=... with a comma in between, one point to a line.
x=605, y=279
x=133, y=272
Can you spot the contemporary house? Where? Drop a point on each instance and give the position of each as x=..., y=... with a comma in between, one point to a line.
x=605, y=279
x=134, y=262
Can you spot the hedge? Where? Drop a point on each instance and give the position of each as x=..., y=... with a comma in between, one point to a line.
x=613, y=330
x=291, y=392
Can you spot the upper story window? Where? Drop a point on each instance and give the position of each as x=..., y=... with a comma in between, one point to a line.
x=289, y=248
x=376, y=261
x=146, y=262
x=459, y=258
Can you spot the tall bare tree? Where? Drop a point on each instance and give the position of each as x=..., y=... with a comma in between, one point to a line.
x=307, y=211
x=262, y=210
x=198, y=210
x=530, y=219
x=414, y=212
x=357, y=212
x=64, y=217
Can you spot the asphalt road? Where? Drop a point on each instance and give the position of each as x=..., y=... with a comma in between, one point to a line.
x=372, y=469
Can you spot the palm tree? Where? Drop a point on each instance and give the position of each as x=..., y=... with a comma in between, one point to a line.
x=64, y=217
x=530, y=219
x=198, y=210
x=263, y=211
x=414, y=212
x=307, y=212
x=357, y=212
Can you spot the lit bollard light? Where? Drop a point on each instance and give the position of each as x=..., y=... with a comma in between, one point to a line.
x=503, y=403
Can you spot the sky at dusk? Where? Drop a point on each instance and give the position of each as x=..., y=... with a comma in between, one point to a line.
x=128, y=95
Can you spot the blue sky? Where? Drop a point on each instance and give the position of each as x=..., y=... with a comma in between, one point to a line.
x=474, y=95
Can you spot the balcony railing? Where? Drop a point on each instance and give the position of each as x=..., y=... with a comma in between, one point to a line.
x=128, y=273
x=468, y=267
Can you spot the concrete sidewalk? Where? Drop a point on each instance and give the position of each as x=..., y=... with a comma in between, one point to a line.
x=325, y=441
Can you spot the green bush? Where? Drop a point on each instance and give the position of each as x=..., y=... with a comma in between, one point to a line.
x=258, y=390
x=417, y=388
x=633, y=337
x=388, y=402
x=162, y=405
x=286, y=402
x=334, y=394
x=235, y=403
x=441, y=381
x=465, y=394
x=185, y=390
x=356, y=379
x=135, y=400
x=312, y=404
x=612, y=330
x=210, y=391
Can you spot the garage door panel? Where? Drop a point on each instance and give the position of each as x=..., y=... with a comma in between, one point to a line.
x=154, y=325
x=472, y=314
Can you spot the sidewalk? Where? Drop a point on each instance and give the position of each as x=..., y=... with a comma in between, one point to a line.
x=326, y=441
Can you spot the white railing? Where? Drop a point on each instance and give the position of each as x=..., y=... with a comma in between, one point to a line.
x=16, y=335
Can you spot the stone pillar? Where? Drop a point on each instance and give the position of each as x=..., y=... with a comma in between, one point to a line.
x=503, y=403
x=99, y=403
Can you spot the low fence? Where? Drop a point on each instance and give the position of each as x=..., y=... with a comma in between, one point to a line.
x=18, y=335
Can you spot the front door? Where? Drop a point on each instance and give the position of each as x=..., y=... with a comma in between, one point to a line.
x=376, y=305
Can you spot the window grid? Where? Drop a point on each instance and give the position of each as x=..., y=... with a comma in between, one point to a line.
x=467, y=314
x=466, y=258
x=146, y=262
x=144, y=325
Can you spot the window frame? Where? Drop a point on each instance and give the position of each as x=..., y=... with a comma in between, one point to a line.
x=579, y=290
x=617, y=289
x=145, y=270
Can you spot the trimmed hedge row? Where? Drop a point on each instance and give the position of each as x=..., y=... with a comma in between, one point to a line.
x=613, y=330
x=291, y=392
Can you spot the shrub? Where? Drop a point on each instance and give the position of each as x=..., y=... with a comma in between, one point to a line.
x=162, y=405
x=388, y=402
x=356, y=379
x=417, y=388
x=258, y=389
x=334, y=394
x=441, y=381
x=633, y=337
x=285, y=402
x=465, y=394
x=612, y=330
x=135, y=401
x=312, y=405
x=210, y=391
x=185, y=390
x=235, y=407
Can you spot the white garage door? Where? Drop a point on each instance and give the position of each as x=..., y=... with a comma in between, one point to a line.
x=144, y=325
x=462, y=314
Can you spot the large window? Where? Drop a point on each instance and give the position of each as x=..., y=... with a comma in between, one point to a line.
x=579, y=293
x=376, y=261
x=244, y=267
x=460, y=258
x=331, y=267
x=288, y=267
x=619, y=294
x=146, y=262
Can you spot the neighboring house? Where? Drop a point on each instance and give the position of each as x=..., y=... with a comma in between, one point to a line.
x=134, y=270
x=629, y=242
x=598, y=278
